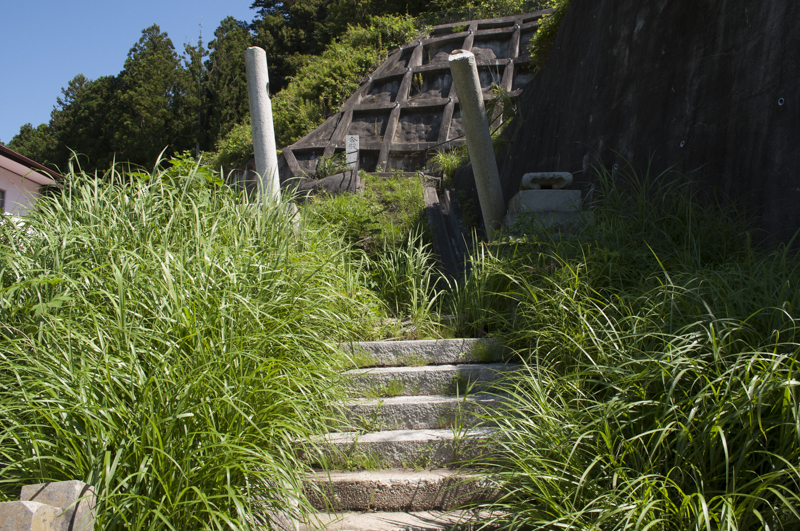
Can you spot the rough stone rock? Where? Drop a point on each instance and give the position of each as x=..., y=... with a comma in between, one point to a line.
x=28, y=516
x=74, y=500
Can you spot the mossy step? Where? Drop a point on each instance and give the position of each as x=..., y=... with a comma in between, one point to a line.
x=415, y=449
x=425, y=352
x=396, y=490
x=421, y=412
x=380, y=382
x=389, y=521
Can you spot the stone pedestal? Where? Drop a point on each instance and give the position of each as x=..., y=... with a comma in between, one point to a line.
x=550, y=208
x=61, y=506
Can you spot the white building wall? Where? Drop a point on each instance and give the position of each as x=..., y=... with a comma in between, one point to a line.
x=21, y=193
x=21, y=186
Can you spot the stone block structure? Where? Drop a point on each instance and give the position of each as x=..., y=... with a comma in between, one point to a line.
x=407, y=109
x=60, y=506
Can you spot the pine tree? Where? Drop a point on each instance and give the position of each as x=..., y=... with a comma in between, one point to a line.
x=227, y=78
x=156, y=103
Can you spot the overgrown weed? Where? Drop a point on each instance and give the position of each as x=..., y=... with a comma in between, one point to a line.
x=662, y=367
x=167, y=340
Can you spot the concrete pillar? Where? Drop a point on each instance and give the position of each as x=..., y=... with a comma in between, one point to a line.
x=479, y=140
x=261, y=117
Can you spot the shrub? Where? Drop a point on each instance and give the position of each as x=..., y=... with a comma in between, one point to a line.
x=543, y=40
x=167, y=341
x=235, y=147
x=326, y=81
x=661, y=380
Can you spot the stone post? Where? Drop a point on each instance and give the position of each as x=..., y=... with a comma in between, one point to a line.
x=261, y=118
x=479, y=140
x=351, y=150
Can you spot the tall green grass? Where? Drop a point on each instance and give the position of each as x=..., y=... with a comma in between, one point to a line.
x=661, y=383
x=169, y=341
x=387, y=229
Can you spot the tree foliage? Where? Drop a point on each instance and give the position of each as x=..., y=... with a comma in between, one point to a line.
x=324, y=83
x=165, y=100
x=157, y=105
x=36, y=143
x=227, y=78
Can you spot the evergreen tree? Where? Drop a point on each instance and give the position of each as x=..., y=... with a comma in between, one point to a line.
x=227, y=78
x=290, y=31
x=199, y=95
x=36, y=143
x=157, y=104
x=83, y=122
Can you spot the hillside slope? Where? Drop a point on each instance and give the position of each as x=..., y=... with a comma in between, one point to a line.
x=713, y=86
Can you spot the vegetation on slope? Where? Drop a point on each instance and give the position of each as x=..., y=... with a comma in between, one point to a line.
x=176, y=100
x=167, y=340
x=662, y=375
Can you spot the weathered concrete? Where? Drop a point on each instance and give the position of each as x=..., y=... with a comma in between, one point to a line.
x=345, y=182
x=30, y=516
x=712, y=88
x=417, y=431
x=421, y=412
x=428, y=380
x=555, y=180
x=426, y=352
x=546, y=201
x=74, y=499
x=410, y=448
x=266, y=156
x=407, y=108
x=396, y=490
x=479, y=140
x=389, y=521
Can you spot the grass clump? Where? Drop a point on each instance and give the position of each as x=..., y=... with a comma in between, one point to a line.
x=386, y=390
x=662, y=368
x=165, y=340
x=389, y=236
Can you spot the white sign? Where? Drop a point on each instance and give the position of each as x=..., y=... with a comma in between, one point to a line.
x=351, y=148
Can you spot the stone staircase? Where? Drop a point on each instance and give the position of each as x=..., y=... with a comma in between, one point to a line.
x=416, y=407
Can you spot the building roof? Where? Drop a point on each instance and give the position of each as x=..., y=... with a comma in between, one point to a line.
x=28, y=163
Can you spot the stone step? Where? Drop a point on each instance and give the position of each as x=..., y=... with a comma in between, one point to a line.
x=416, y=449
x=421, y=412
x=380, y=382
x=389, y=521
x=395, y=490
x=425, y=352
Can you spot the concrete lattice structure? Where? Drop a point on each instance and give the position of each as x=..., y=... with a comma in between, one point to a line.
x=407, y=109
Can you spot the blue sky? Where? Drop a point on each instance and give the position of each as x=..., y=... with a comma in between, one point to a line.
x=45, y=43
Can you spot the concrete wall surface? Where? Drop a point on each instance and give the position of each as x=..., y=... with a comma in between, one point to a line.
x=711, y=86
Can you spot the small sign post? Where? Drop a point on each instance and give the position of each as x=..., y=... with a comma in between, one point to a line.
x=351, y=148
